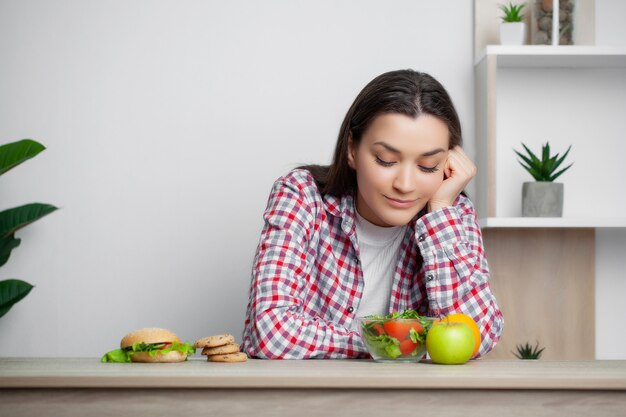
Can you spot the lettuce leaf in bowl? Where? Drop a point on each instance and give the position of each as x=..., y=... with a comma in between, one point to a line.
x=384, y=345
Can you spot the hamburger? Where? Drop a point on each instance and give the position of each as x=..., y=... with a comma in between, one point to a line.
x=150, y=345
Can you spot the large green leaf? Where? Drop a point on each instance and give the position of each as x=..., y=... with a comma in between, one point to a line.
x=12, y=291
x=7, y=244
x=13, y=154
x=15, y=218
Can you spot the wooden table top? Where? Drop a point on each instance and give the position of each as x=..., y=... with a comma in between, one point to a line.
x=343, y=374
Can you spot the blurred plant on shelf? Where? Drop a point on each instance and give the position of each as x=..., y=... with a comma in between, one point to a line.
x=543, y=169
x=512, y=12
x=512, y=26
x=13, y=219
x=528, y=352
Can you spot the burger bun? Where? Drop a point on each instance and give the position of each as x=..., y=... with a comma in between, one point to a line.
x=173, y=356
x=151, y=335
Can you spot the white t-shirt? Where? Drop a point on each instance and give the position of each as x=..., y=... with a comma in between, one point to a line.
x=379, y=249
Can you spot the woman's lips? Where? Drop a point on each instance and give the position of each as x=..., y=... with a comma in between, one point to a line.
x=400, y=203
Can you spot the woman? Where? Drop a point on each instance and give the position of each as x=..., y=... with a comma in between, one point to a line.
x=384, y=228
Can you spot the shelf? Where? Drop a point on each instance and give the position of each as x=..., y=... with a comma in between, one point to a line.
x=542, y=86
x=545, y=56
x=551, y=222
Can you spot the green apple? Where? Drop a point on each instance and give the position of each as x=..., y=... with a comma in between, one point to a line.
x=450, y=343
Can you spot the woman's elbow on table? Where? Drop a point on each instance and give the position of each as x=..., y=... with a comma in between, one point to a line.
x=490, y=333
x=273, y=337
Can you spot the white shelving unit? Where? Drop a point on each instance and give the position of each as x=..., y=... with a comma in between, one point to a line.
x=538, y=56
x=551, y=222
x=567, y=95
x=494, y=145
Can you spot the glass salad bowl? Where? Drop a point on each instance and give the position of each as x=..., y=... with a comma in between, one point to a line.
x=396, y=337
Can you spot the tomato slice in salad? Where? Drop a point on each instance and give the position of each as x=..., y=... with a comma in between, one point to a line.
x=418, y=327
x=401, y=330
x=378, y=328
x=407, y=346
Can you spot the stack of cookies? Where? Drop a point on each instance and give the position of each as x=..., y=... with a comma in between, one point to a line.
x=220, y=348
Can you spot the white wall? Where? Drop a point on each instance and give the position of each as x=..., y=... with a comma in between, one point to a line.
x=610, y=290
x=166, y=123
x=610, y=28
x=611, y=243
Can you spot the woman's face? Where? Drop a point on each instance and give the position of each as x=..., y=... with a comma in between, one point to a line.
x=399, y=165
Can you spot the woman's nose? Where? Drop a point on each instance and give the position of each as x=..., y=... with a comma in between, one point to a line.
x=405, y=181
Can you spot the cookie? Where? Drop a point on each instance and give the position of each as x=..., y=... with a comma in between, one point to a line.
x=221, y=350
x=214, y=341
x=232, y=357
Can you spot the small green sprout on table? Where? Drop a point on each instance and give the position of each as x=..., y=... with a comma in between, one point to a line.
x=528, y=352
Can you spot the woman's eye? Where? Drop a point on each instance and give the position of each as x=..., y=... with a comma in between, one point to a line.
x=384, y=163
x=429, y=169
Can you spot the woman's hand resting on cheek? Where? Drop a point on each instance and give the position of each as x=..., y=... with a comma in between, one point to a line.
x=459, y=171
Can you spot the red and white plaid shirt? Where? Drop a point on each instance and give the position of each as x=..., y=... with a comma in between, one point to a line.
x=307, y=280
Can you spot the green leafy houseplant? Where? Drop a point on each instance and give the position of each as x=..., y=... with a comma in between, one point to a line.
x=512, y=13
x=528, y=352
x=13, y=219
x=543, y=169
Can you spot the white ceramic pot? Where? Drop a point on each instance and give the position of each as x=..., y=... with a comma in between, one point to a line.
x=512, y=33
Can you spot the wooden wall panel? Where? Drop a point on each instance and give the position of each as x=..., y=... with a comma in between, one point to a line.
x=544, y=281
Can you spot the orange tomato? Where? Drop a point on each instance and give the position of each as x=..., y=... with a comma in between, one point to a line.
x=464, y=318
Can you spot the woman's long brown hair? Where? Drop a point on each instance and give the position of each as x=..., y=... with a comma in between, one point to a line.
x=403, y=91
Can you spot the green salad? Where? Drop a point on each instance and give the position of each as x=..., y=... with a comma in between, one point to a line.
x=397, y=335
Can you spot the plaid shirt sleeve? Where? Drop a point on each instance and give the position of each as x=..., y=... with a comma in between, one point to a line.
x=456, y=271
x=277, y=327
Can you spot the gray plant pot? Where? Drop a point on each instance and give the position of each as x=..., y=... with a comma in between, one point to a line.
x=542, y=199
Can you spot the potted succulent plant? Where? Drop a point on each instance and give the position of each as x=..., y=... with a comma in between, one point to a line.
x=512, y=27
x=13, y=219
x=543, y=197
x=528, y=352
